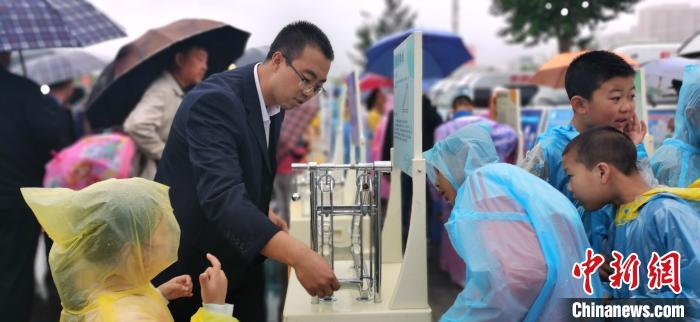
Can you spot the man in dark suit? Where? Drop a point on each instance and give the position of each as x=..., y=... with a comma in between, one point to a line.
x=31, y=126
x=219, y=162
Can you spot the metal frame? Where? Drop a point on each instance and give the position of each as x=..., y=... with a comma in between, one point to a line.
x=367, y=204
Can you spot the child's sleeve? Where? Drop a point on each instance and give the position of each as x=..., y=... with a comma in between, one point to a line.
x=505, y=139
x=214, y=313
x=644, y=167
x=675, y=226
x=535, y=163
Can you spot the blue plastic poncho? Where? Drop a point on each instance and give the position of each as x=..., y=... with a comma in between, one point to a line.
x=677, y=162
x=661, y=220
x=519, y=238
x=545, y=161
x=468, y=148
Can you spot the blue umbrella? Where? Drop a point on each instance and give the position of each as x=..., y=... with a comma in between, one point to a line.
x=443, y=52
x=32, y=24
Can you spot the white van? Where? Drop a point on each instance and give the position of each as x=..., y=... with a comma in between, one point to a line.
x=643, y=53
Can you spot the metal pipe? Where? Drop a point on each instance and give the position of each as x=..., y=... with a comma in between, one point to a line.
x=377, y=240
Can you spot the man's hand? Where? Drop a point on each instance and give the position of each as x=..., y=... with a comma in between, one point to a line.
x=312, y=270
x=177, y=287
x=315, y=274
x=636, y=130
x=213, y=282
x=278, y=221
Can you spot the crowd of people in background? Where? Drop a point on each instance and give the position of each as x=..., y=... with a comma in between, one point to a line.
x=198, y=221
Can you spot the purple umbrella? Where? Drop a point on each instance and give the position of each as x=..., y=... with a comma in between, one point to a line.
x=660, y=72
x=32, y=24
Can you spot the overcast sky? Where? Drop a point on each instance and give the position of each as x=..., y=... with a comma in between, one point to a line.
x=339, y=19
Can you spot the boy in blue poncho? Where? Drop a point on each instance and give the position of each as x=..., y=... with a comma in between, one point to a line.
x=601, y=166
x=518, y=236
x=677, y=162
x=600, y=86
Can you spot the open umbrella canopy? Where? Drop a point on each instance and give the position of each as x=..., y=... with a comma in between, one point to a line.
x=443, y=52
x=122, y=83
x=60, y=65
x=553, y=72
x=691, y=47
x=660, y=72
x=372, y=81
x=252, y=55
x=32, y=24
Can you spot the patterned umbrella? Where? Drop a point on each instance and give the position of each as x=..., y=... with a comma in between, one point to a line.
x=295, y=122
x=32, y=24
x=122, y=83
x=59, y=66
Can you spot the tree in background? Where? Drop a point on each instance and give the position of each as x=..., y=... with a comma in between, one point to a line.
x=533, y=21
x=395, y=18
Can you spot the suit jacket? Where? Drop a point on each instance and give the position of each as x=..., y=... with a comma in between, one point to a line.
x=220, y=172
x=149, y=123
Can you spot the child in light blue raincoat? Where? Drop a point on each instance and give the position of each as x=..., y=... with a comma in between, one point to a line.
x=518, y=236
x=601, y=166
x=600, y=86
x=677, y=162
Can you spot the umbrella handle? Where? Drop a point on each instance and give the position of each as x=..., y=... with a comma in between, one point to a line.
x=21, y=62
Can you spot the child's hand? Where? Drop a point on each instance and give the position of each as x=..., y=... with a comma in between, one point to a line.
x=213, y=283
x=180, y=286
x=636, y=130
x=605, y=270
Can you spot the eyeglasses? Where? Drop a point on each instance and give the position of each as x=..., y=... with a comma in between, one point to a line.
x=306, y=87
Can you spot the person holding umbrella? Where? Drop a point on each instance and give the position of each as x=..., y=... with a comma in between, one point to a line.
x=219, y=161
x=149, y=123
x=31, y=127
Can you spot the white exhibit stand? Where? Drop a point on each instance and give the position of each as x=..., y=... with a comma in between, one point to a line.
x=507, y=111
x=640, y=106
x=404, y=287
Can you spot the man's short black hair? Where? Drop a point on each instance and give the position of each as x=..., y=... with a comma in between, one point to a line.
x=462, y=99
x=294, y=37
x=589, y=70
x=604, y=144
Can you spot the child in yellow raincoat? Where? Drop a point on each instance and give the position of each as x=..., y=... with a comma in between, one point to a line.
x=110, y=240
x=601, y=166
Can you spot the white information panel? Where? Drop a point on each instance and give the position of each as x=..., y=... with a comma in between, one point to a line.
x=408, y=73
x=357, y=134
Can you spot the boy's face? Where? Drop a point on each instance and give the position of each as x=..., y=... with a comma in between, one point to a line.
x=445, y=188
x=588, y=186
x=611, y=104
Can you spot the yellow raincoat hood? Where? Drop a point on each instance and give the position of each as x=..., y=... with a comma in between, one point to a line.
x=110, y=240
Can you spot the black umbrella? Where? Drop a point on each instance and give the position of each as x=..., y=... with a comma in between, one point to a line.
x=122, y=83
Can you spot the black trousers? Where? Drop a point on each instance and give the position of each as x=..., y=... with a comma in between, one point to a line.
x=19, y=235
